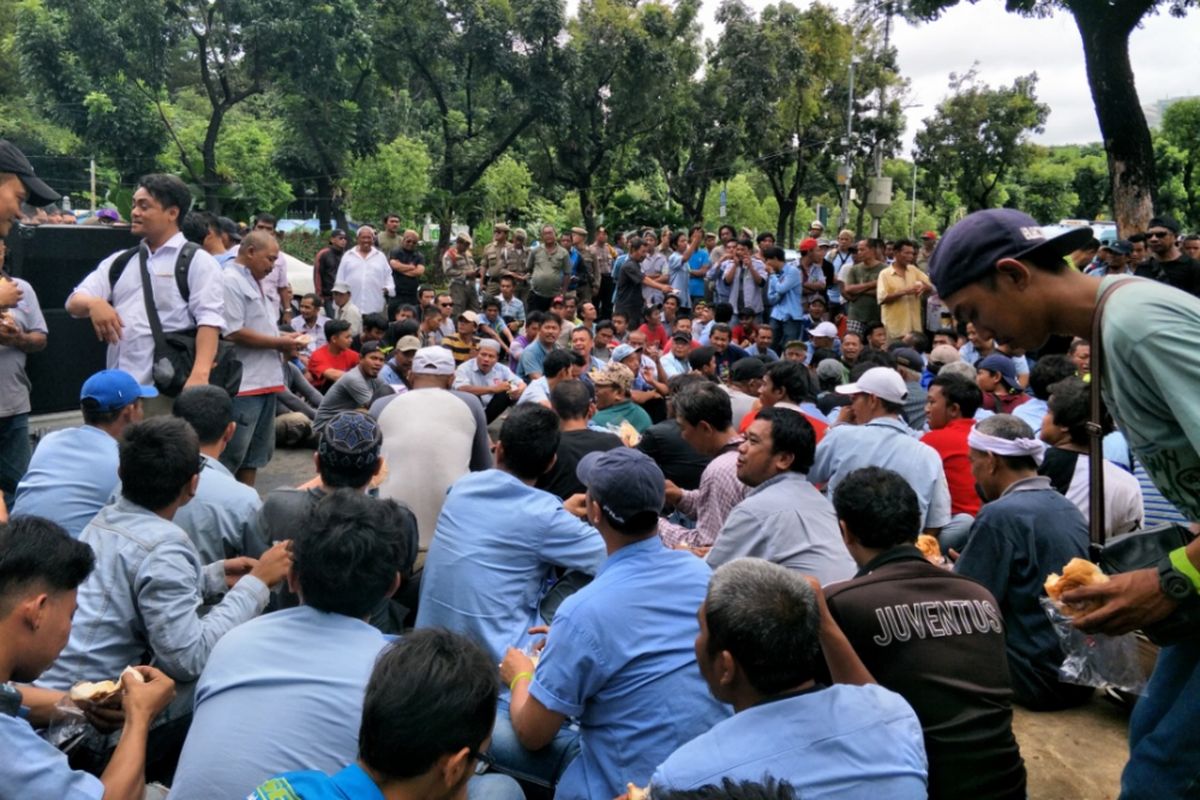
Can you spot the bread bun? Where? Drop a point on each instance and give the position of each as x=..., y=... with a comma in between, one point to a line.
x=1077, y=573
x=930, y=547
x=94, y=692
x=636, y=792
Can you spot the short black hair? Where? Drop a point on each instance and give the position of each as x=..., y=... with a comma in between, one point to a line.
x=747, y=369
x=1047, y=371
x=555, y=362
x=720, y=327
x=169, y=191
x=774, y=253
x=264, y=217
x=678, y=383
x=605, y=324
x=550, y=316
x=530, y=438
x=795, y=380
x=348, y=552
x=208, y=409
x=195, y=227
x=722, y=312
x=571, y=400
x=870, y=328
x=879, y=508
x=158, y=458
x=705, y=402
x=960, y=392
x=92, y=415
x=335, y=326
x=729, y=789
x=491, y=302
x=34, y=550
x=374, y=322
x=431, y=694
x=312, y=298
x=700, y=357
x=791, y=432
x=1070, y=407
x=763, y=237
x=535, y=317
x=906, y=243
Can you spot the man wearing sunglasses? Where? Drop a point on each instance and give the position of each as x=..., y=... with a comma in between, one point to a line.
x=1167, y=263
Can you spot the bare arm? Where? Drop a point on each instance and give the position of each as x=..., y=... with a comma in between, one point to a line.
x=207, y=338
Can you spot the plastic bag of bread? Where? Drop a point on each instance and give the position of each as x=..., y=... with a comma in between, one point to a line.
x=628, y=434
x=1077, y=573
x=1095, y=659
x=931, y=548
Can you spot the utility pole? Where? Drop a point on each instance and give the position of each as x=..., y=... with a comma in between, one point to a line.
x=847, y=169
x=887, y=31
x=92, y=177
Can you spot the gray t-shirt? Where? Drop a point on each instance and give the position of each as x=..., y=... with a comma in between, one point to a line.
x=14, y=383
x=352, y=391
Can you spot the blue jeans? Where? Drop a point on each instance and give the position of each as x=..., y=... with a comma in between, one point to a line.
x=15, y=452
x=543, y=767
x=1164, y=737
x=956, y=533
x=784, y=331
x=494, y=787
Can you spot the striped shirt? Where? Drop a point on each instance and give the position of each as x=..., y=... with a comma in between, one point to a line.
x=461, y=348
x=710, y=504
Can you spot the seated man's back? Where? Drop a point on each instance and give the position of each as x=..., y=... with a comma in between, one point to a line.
x=222, y=518
x=71, y=476
x=285, y=691
x=499, y=539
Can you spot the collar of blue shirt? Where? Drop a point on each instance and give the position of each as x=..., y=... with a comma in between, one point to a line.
x=890, y=422
x=783, y=477
x=1030, y=484
x=649, y=545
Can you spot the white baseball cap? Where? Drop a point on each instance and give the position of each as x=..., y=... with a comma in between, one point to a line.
x=433, y=361
x=883, y=382
x=826, y=330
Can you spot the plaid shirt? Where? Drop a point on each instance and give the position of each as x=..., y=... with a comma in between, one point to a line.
x=720, y=490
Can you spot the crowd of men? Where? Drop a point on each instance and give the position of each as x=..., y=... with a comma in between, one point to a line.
x=597, y=518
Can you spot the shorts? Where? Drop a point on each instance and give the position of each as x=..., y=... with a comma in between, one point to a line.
x=253, y=442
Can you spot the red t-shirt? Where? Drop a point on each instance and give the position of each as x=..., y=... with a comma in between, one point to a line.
x=951, y=444
x=657, y=336
x=819, y=425
x=322, y=359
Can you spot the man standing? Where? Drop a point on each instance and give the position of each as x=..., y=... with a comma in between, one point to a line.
x=871, y=433
x=811, y=272
x=861, y=286
x=1024, y=531
x=630, y=281
x=784, y=289
x=366, y=272
x=516, y=264
x=899, y=293
x=259, y=346
x=586, y=271
x=492, y=261
x=408, y=267
x=549, y=269
x=22, y=330
x=116, y=304
x=604, y=255
x=956, y=681
x=74, y=471
x=459, y=268
x=326, y=265
x=745, y=278
x=1167, y=263
x=620, y=651
x=783, y=519
x=275, y=284
x=389, y=238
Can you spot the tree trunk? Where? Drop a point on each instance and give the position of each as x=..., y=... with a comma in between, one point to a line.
x=787, y=211
x=212, y=181
x=324, y=202
x=587, y=209
x=1119, y=112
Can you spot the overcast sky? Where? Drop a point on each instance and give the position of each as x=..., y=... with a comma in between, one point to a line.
x=1165, y=53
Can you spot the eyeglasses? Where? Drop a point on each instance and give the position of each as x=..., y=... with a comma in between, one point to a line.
x=446, y=305
x=483, y=757
x=1157, y=234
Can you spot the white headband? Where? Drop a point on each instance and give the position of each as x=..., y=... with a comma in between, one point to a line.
x=1033, y=448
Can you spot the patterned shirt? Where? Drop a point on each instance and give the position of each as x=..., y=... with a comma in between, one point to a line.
x=720, y=490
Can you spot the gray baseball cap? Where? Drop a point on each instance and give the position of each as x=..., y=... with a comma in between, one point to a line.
x=624, y=481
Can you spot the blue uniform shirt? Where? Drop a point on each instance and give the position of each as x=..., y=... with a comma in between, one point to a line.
x=32, y=767
x=497, y=541
x=349, y=784
x=222, y=518
x=532, y=358
x=621, y=657
x=71, y=476
x=848, y=742
x=266, y=691
x=783, y=292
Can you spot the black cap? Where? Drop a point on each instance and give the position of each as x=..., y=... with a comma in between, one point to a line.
x=229, y=228
x=12, y=160
x=1160, y=221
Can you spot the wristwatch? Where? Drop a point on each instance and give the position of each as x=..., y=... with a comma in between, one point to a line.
x=1174, y=584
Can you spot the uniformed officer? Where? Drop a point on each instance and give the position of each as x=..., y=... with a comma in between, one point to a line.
x=460, y=269
x=550, y=268
x=516, y=263
x=492, y=262
x=586, y=271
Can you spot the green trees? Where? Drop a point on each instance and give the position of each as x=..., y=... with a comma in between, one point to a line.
x=393, y=179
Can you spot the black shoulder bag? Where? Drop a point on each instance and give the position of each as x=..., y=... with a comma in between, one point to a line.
x=1139, y=549
x=175, y=352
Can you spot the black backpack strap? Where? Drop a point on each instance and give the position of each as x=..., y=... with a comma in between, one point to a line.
x=182, y=262
x=117, y=267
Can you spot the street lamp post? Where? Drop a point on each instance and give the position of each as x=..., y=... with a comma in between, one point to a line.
x=847, y=169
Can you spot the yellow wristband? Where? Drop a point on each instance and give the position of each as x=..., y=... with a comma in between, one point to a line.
x=512, y=687
x=1181, y=562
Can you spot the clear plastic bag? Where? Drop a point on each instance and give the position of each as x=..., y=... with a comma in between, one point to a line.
x=69, y=726
x=1094, y=659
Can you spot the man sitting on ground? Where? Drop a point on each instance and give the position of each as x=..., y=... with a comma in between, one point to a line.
x=333, y=359
x=614, y=383
x=762, y=631
x=348, y=556
x=426, y=720
x=950, y=408
x=73, y=472
x=356, y=389
x=222, y=517
x=957, y=680
x=556, y=368
x=619, y=653
x=481, y=580
x=575, y=407
x=41, y=568
x=1025, y=531
x=496, y=386
x=784, y=519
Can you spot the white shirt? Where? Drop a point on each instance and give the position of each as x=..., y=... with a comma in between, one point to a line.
x=1123, y=506
x=370, y=278
x=316, y=331
x=246, y=307
x=134, y=353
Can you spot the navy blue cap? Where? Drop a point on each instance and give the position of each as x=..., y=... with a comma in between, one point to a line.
x=13, y=161
x=1122, y=247
x=1003, y=366
x=624, y=481
x=112, y=389
x=971, y=249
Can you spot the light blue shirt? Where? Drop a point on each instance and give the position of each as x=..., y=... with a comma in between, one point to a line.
x=222, y=518
x=786, y=521
x=281, y=692
x=497, y=542
x=32, y=767
x=468, y=374
x=511, y=309
x=1032, y=411
x=674, y=366
x=72, y=474
x=783, y=292
x=845, y=742
x=889, y=443
x=679, y=278
x=537, y=391
x=701, y=330
x=621, y=657
x=142, y=598
x=531, y=361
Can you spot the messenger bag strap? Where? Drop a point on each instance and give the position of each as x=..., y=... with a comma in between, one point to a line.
x=156, y=328
x=1095, y=426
